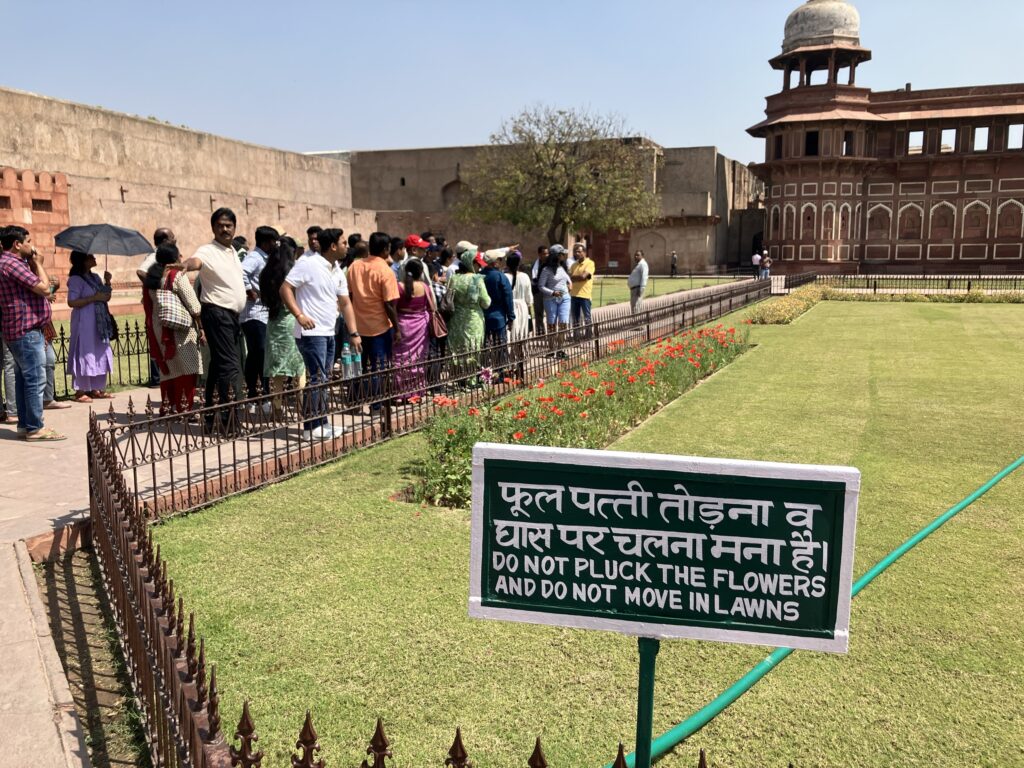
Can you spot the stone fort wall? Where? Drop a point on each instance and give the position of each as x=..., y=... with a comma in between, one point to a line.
x=145, y=174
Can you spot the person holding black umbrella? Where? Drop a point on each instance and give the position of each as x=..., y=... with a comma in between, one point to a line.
x=223, y=298
x=89, y=355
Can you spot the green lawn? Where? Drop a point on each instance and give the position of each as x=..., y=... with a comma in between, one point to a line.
x=613, y=290
x=322, y=593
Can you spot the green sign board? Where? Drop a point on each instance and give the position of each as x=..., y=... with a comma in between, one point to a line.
x=664, y=546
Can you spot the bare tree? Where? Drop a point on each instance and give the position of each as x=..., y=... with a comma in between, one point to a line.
x=564, y=170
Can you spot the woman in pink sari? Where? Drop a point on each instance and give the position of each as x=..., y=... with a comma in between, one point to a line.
x=410, y=352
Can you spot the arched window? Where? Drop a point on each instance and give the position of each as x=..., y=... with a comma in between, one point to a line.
x=844, y=222
x=943, y=222
x=828, y=222
x=450, y=193
x=1010, y=219
x=976, y=220
x=911, y=224
x=879, y=223
x=789, y=223
x=774, y=230
x=858, y=223
x=808, y=222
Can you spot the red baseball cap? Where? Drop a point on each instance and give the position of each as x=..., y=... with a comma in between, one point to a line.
x=479, y=260
x=415, y=241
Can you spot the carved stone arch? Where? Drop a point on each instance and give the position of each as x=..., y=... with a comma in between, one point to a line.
x=879, y=222
x=808, y=221
x=845, y=221
x=775, y=224
x=858, y=223
x=974, y=224
x=789, y=222
x=828, y=222
x=1010, y=219
x=451, y=192
x=942, y=221
x=911, y=222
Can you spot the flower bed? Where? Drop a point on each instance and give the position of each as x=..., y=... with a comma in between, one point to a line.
x=585, y=408
x=787, y=309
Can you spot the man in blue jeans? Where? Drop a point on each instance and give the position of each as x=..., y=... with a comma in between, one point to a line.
x=314, y=291
x=24, y=295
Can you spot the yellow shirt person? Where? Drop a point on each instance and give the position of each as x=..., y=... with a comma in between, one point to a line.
x=582, y=289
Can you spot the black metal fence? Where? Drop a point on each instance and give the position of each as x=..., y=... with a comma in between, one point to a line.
x=795, y=281
x=179, y=462
x=131, y=360
x=930, y=283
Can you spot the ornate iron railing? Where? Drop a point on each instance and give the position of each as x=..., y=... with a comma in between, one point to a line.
x=178, y=462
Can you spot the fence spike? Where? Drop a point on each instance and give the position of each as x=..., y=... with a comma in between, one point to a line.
x=703, y=761
x=131, y=408
x=149, y=406
x=620, y=759
x=179, y=627
x=110, y=413
x=246, y=734
x=379, y=747
x=201, y=690
x=213, y=706
x=169, y=600
x=309, y=745
x=190, y=647
x=457, y=755
x=537, y=759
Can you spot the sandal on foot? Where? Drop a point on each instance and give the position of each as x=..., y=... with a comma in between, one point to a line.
x=44, y=435
x=54, y=405
x=102, y=395
x=82, y=398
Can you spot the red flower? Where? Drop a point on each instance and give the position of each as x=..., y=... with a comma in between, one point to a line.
x=532, y=430
x=609, y=392
x=517, y=436
x=631, y=379
x=521, y=415
x=474, y=411
x=451, y=431
x=584, y=415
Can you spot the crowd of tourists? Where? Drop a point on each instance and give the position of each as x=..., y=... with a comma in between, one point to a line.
x=282, y=315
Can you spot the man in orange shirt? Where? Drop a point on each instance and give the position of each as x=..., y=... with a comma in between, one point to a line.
x=374, y=292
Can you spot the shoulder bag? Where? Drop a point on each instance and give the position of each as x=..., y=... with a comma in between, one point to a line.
x=170, y=310
x=438, y=327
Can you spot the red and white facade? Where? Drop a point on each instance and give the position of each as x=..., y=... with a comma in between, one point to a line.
x=897, y=181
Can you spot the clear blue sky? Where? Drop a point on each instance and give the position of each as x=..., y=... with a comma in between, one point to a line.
x=315, y=74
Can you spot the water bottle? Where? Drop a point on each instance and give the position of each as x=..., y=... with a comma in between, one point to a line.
x=346, y=361
x=356, y=367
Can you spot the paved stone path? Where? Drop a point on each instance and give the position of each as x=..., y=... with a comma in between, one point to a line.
x=44, y=486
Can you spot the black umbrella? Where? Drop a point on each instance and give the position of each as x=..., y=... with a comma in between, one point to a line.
x=103, y=238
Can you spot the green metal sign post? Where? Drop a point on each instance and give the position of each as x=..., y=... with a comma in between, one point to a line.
x=663, y=547
x=645, y=700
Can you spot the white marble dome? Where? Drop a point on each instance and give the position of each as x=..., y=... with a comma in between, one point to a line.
x=822, y=22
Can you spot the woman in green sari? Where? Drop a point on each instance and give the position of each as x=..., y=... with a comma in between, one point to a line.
x=470, y=298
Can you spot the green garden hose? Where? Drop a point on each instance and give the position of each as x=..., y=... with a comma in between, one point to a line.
x=671, y=739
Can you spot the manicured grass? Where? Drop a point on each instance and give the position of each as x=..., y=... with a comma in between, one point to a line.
x=613, y=290
x=322, y=593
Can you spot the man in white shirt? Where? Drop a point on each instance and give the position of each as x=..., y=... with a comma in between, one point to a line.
x=254, y=315
x=637, y=281
x=756, y=261
x=222, y=299
x=314, y=291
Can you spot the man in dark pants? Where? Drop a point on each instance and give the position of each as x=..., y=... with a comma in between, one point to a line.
x=223, y=298
x=254, y=316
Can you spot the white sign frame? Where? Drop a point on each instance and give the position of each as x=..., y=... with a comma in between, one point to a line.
x=849, y=476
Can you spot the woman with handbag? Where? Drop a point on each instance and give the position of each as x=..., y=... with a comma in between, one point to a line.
x=176, y=329
x=415, y=310
x=89, y=355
